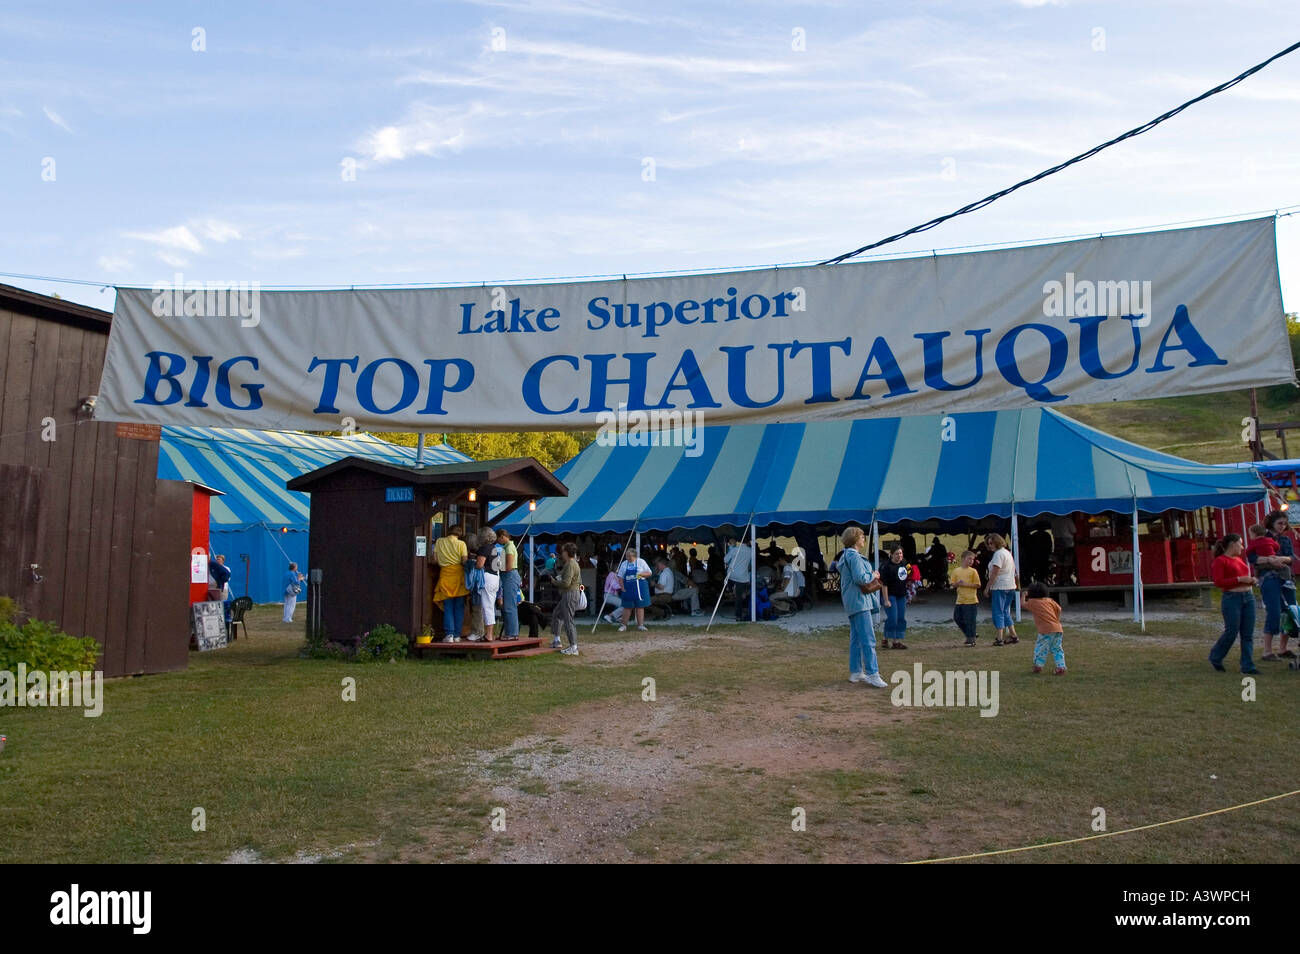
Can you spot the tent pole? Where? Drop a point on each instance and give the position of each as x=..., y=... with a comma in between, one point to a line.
x=1139, y=611
x=604, y=597
x=875, y=540
x=753, y=574
x=532, y=562
x=1015, y=552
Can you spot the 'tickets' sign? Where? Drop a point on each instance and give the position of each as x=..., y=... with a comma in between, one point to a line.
x=1134, y=316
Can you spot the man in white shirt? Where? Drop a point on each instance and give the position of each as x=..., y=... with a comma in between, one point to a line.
x=665, y=585
x=737, y=562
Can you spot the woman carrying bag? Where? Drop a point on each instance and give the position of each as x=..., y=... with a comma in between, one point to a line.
x=568, y=581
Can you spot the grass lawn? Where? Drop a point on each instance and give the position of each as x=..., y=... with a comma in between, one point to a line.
x=747, y=726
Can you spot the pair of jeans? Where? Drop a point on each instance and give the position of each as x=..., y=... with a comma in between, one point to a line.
x=862, y=645
x=453, y=615
x=510, y=601
x=1004, y=606
x=1276, y=593
x=896, y=618
x=1049, y=643
x=965, y=616
x=1238, y=623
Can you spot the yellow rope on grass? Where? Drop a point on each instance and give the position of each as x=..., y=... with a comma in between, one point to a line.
x=1105, y=834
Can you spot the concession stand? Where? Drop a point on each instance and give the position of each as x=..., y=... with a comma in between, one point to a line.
x=373, y=525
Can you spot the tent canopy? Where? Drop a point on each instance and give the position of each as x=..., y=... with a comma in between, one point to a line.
x=957, y=466
x=252, y=467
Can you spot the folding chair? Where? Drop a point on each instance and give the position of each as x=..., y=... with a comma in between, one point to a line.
x=238, y=608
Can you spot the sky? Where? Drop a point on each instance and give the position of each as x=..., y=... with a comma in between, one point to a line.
x=337, y=143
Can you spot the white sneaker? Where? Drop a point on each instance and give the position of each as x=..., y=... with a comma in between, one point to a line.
x=555, y=643
x=875, y=680
x=858, y=677
x=475, y=638
x=570, y=651
x=643, y=629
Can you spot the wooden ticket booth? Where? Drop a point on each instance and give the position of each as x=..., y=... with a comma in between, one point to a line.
x=373, y=525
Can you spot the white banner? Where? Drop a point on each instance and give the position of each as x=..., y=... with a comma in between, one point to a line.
x=1099, y=320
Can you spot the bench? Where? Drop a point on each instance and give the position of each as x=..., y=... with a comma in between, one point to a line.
x=1203, y=588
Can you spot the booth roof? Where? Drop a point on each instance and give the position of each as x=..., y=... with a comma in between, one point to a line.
x=486, y=473
x=1035, y=461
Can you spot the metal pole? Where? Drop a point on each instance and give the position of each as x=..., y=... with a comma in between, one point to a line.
x=604, y=600
x=1257, y=445
x=532, y=563
x=875, y=541
x=419, y=449
x=753, y=574
x=1015, y=553
x=1139, y=614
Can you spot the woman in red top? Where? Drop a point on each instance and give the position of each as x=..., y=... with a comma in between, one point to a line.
x=1232, y=575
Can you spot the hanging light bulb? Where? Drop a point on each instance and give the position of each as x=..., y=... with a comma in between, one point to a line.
x=473, y=495
x=532, y=505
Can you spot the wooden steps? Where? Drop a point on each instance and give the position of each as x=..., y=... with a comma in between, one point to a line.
x=494, y=649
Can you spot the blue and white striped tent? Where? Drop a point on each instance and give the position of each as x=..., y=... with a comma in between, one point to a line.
x=257, y=516
x=891, y=469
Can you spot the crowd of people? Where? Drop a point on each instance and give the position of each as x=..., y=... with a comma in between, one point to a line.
x=479, y=578
x=869, y=593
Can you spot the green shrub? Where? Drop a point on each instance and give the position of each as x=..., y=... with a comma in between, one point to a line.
x=382, y=644
x=41, y=645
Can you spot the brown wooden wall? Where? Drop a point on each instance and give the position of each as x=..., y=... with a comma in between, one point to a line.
x=365, y=549
x=112, y=541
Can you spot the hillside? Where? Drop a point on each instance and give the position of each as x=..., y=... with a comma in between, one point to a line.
x=1201, y=427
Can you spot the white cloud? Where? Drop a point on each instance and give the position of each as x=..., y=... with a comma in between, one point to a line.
x=175, y=261
x=55, y=118
x=218, y=231
x=429, y=131
x=693, y=66
x=177, y=237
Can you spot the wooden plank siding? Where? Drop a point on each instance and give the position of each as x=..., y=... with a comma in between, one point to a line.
x=112, y=540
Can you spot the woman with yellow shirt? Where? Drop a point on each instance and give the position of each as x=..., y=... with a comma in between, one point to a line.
x=451, y=553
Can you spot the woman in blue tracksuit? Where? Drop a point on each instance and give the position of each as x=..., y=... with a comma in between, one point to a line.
x=855, y=580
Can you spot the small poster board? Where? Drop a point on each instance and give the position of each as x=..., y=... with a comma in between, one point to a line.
x=198, y=565
x=208, y=626
x=1119, y=561
x=421, y=546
